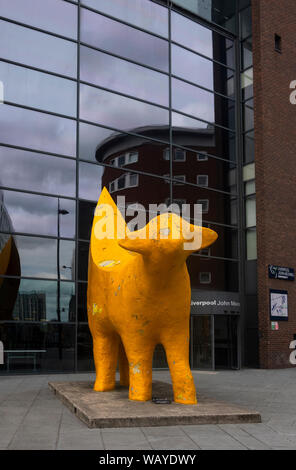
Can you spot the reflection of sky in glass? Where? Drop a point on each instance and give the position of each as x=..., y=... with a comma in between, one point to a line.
x=146, y=15
x=36, y=172
x=192, y=67
x=40, y=50
x=193, y=100
x=125, y=77
x=192, y=35
x=123, y=40
x=89, y=138
x=52, y=15
x=38, y=257
x=90, y=177
x=35, y=214
x=118, y=111
x=37, y=130
x=38, y=90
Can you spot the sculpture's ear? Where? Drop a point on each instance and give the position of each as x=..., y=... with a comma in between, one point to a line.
x=137, y=241
x=208, y=237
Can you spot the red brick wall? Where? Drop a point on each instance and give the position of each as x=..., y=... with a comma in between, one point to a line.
x=275, y=157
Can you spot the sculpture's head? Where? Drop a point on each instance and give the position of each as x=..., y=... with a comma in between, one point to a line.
x=168, y=235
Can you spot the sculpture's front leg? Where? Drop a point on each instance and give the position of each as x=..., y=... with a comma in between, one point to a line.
x=176, y=344
x=140, y=354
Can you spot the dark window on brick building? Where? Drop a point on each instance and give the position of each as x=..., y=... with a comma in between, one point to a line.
x=278, y=43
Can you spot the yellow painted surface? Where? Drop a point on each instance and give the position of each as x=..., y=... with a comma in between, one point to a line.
x=139, y=296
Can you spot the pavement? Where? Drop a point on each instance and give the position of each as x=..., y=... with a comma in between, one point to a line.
x=31, y=417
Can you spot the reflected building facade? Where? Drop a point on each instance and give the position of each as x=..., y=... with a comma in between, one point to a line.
x=154, y=100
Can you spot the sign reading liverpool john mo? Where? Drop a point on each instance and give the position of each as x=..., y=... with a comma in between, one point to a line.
x=139, y=296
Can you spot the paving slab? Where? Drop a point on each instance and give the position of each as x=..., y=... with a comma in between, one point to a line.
x=114, y=409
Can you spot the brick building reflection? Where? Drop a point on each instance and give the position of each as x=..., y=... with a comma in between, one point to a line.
x=193, y=171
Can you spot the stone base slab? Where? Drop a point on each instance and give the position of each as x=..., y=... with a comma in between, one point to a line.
x=113, y=409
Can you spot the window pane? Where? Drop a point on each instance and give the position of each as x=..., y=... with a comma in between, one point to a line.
x=117, y=111
x=83, y=249
x=251, y=212
x=119, y=75
x=195, y=68
x=201, y=39
x=56, y=16
x=56, y=343
x=107, y=34
x=85, y=359
x=38, y=90
x=34, y=214
x=146, y=15
x=40, y=50
x=35, y=172
x=38, y=257
x=93, y=138
x=37, y=130
x=251, y=242
x=90, y=181
x=198, y=135
x=202, y=104
x=219, y=12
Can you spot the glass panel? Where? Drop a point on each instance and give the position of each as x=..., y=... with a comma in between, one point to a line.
x=195, y=68
x=90, y=181
x=146, y=15
x=38, y=90
x=86, y=214
x=82, y=302
x=120, y=39
x=95, y=138
x=251, y=212
x=201, y=39
x=248, y=118
x=52, y=15
x=37, y=49
x=85, y=360
x=37, y=130
x=47, y=347
x=221, y=175
x=159, y=358
x=220, y=208
x=218, y=11
x=249, y=147
x=83, y=249
x=246, y=22
x=226, y=341
x=125, y=77
x=199, y=135
x=39, y=257
x=202, y=104
x=223, y=274
x=118, y=111
x=193, y=100
x=201, y=342
x=37, y=172
x=251, y=242
x=29, y=213
x=33, y=300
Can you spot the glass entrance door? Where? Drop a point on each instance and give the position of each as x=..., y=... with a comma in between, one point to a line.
x=226, y=341
x=201, y=342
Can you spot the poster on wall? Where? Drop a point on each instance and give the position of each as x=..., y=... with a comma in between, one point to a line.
x=278, y=305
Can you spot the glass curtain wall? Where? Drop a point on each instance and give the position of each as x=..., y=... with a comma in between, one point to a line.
x=135, y=96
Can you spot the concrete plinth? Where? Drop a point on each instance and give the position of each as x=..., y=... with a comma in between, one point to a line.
x=114, y=409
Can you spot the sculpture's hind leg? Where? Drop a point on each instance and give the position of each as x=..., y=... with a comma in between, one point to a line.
x=123, y=366
x=105, y=349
